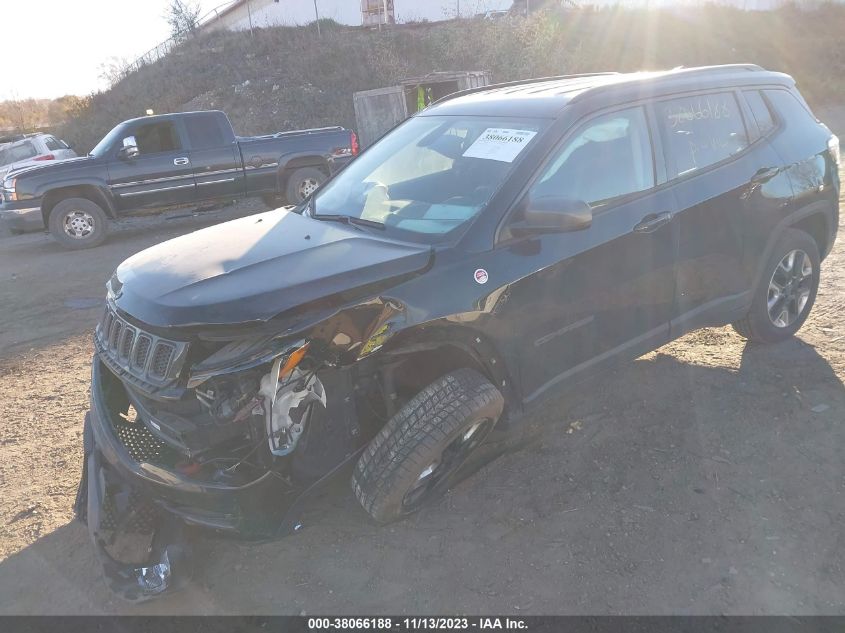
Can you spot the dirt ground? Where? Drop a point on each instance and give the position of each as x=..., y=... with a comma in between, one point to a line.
x=707, y=477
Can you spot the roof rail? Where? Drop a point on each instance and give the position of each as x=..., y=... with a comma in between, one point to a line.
x=718, y=68
x=678, y=73
x=520, y=82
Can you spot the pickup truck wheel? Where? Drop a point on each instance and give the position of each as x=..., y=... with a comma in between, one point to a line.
x=302, y=183
x=414, y=458
x=78, y=223
x=786, y=292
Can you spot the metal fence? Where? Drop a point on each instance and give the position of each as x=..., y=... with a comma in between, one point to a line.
x=164, y=49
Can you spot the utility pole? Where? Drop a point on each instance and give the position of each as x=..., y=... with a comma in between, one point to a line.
x=317, y=16
x=459, y=10
x=249, y=14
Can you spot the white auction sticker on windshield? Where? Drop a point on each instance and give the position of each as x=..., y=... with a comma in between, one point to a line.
x=499, y=144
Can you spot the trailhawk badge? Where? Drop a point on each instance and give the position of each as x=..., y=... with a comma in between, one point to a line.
x=481, y=276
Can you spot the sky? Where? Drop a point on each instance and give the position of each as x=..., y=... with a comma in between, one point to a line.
x=51, y=48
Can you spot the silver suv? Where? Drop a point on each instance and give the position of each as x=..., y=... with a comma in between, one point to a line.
x=26, y=152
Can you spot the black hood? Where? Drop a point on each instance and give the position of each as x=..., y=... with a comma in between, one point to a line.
x=51, y=166
x=254, y=268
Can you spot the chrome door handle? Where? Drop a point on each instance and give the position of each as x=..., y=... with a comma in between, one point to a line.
x=181, y=161
x=652, y=222
x=764, y=174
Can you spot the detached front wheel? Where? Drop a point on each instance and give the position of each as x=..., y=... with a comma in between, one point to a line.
x=78, y=223
x=415, y=457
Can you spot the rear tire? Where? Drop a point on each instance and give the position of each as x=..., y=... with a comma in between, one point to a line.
x=78, y=223
x=302, y=183
x=786, y=292
x=415, y=457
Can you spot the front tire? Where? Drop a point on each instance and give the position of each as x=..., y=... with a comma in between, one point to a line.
x=302, y=183
x=78, y=223
x=415, y=457
x=786, y=292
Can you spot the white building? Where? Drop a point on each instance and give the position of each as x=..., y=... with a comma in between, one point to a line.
x=242, y=14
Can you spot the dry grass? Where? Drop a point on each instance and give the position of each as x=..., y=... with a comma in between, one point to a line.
x=297, y=79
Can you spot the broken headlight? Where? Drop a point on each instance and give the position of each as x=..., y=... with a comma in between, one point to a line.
x=240, y=356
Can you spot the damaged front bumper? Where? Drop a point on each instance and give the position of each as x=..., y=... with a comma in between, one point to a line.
x=137, y=510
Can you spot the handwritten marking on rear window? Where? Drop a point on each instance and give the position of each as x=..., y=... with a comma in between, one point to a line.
x=698, y=110
x=500, y=144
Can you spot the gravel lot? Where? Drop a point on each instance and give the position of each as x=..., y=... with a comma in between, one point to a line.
x=707, y=477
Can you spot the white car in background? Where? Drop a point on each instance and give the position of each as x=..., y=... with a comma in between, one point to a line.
x=31, y=150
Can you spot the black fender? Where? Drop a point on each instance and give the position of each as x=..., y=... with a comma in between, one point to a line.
x=822, y=208
x=459, y=345
x=95, y=190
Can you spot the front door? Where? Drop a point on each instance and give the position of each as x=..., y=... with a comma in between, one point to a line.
x=607, y=290
x=160, y=175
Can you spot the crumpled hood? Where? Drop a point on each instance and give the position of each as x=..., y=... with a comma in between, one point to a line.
x=254, y=268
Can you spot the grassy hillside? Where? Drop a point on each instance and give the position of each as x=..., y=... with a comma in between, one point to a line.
x=289, y=77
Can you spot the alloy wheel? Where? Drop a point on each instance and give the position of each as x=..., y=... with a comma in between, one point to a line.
x=789, y=288
x=307, y=186
x=439, y=472
x=78, y=224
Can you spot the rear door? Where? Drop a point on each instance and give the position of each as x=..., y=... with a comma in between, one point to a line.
x=215, y=157
x=161, y=175
x=724, y=184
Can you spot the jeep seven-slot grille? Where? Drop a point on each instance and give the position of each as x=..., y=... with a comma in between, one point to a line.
x=150, y=359
x=161, y=359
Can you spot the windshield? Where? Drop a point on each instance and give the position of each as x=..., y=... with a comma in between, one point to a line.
x=16, y=153
x=430, y=176
x=108, y=141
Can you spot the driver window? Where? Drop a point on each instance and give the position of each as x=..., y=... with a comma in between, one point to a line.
x=154, y=138
x=422, y=159
x=610, y=156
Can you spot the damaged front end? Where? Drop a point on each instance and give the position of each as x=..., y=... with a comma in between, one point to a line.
x=232, y=436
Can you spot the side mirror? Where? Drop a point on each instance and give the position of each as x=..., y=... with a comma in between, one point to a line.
x=127, y=152
x=551, y=214
x=129, y=149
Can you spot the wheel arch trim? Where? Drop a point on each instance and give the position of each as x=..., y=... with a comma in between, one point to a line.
x=788, y=222
x=91, y=191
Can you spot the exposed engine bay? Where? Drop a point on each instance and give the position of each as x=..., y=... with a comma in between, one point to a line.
x=232, y=442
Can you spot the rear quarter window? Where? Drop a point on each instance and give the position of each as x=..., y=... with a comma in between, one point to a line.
x=204, y=132
x=760, y=110
x=790, y=108
x=54, y=144
x=701, y=130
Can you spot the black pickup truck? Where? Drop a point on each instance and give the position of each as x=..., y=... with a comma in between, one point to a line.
x=169, y=160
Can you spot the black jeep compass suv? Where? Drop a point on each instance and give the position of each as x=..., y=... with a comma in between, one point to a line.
x=503, y=243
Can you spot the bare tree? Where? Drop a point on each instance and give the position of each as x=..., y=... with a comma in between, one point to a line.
x=23, y=115
x=183, y=17
x=113, y=69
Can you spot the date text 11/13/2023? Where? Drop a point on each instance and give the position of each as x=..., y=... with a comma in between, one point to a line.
x=418, y=623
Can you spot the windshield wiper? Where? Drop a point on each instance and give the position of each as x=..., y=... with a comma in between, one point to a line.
x=348, y=220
